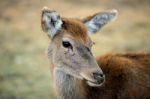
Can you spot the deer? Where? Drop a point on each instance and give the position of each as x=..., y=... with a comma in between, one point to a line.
x=77, y=74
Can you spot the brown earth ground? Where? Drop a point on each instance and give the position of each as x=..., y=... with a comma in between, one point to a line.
x=24, y=70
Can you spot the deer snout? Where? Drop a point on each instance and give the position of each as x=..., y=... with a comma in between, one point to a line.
x=99, y=77
x=93, y=76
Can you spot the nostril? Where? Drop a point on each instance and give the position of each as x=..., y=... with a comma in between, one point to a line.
x=99, y=77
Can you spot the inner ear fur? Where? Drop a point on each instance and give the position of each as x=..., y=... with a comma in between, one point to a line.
x=50, y=21
x=96, y=21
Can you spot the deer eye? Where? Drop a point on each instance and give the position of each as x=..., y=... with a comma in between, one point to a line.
x=66, y=44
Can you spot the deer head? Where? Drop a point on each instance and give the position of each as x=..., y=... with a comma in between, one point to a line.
x=70, y=48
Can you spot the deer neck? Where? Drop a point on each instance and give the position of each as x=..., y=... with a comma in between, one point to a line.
x=68, y=87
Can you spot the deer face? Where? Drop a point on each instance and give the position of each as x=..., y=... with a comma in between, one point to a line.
x=70, y=48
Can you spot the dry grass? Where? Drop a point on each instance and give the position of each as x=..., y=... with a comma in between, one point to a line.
x=24, y=71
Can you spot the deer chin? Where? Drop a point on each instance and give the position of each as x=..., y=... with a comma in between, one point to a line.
x=93, y=84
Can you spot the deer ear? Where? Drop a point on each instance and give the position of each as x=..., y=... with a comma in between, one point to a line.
x=50, y=22
x=96, y=22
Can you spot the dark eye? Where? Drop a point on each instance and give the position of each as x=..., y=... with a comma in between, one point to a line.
x=66, y=44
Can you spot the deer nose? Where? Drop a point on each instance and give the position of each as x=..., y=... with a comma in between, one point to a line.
x=99, y=77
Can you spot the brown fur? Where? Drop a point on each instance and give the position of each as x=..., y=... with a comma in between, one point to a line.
x=75, y=28
x=127, y=75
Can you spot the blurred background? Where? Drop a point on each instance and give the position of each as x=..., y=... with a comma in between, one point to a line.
x=24, y=67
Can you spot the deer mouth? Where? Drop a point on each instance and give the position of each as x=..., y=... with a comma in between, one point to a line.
x=93, y=82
